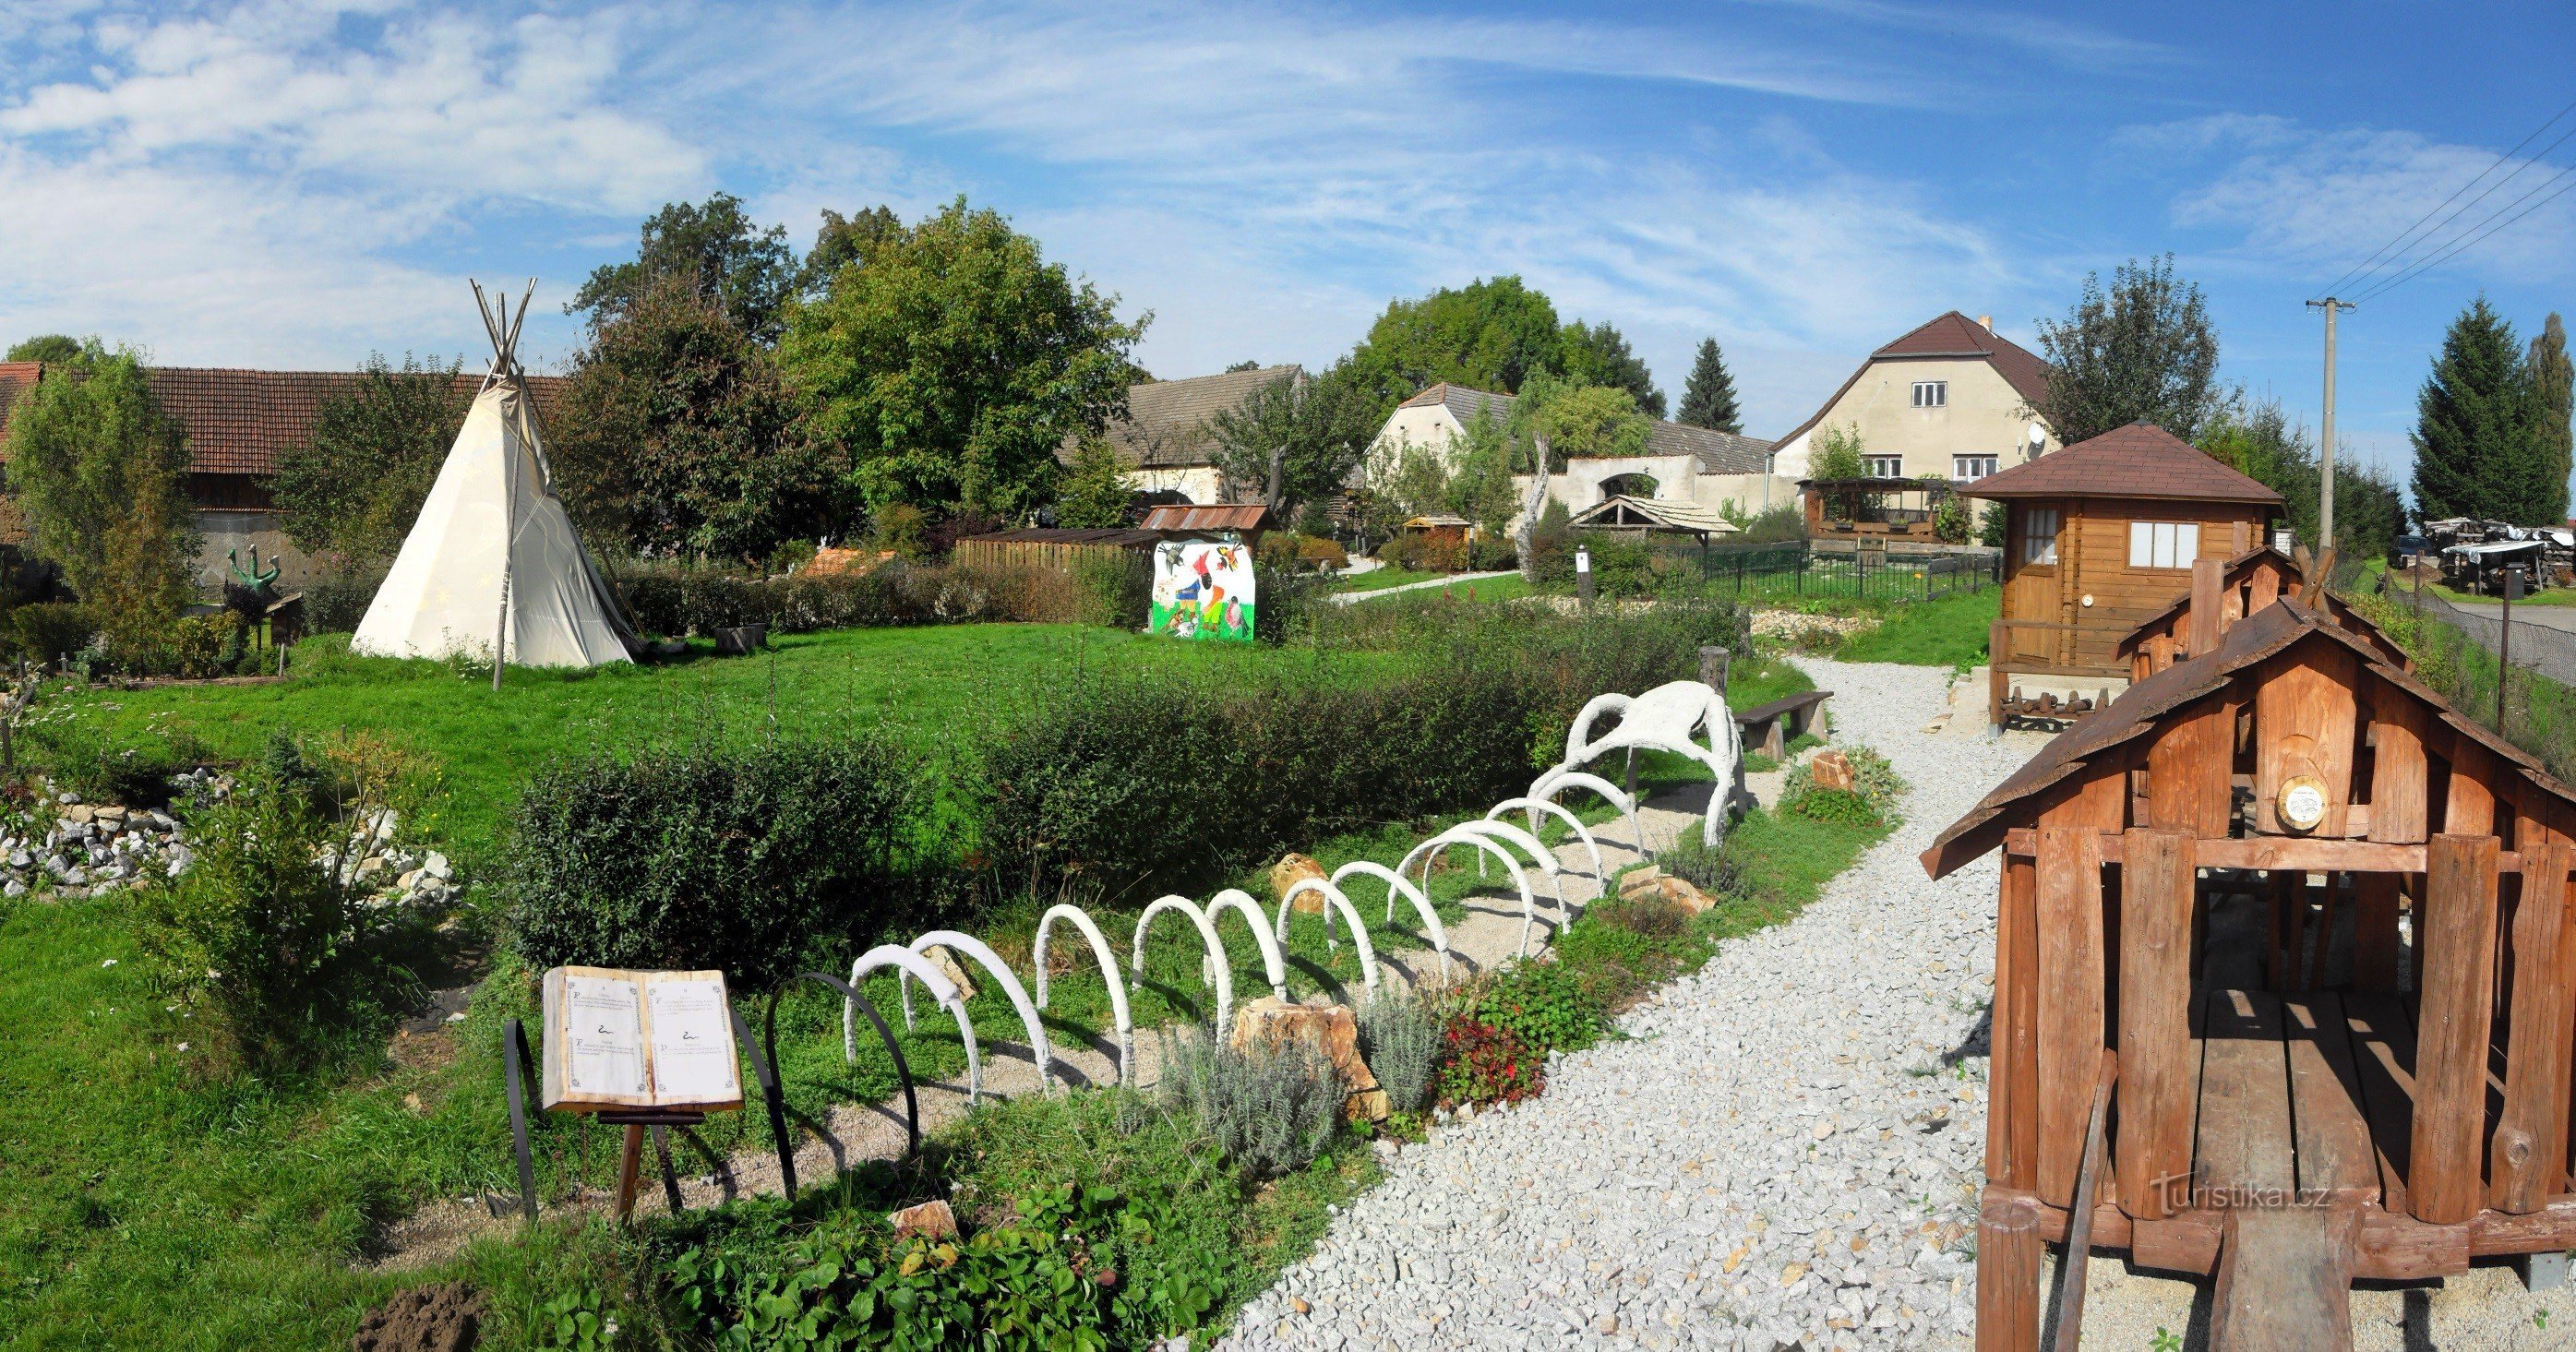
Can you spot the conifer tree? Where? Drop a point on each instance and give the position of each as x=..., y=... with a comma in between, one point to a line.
x=1709, y=399
x=2553, y=381
x=2475, y=452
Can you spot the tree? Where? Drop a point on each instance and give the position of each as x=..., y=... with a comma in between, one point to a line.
x=1838, y=453
x=1324, y=426
x=2260, y=442
x=354, y=486
x=1094, y=493
x=1579, y=421
x=1709, y=400
x=717, y=253
x=678, y=434
x=101, y=470
x=2144, y=352
x=2553, y=380
x=1598, y=354
x=1489, y=335
x=949, y=369
x=844, y=240
x=46, y=347
x=2476, y=452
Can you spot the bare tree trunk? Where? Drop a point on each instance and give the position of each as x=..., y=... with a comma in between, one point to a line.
x=1537, y=502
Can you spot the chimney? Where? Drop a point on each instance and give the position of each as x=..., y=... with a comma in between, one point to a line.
x=1986, y=322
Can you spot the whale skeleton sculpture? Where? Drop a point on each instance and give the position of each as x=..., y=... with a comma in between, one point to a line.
x=1523, y=841
x=1459, y=835
x=1350, y=916
x=1395, y=885
x=1535, y=806
x=1108, y=960
x=942, y=990
x=1001, y=972
x=1663, y=719
x=1546, y=787
x=1216, y=964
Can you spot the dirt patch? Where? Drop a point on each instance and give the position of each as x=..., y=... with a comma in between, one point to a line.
x=443, y=1318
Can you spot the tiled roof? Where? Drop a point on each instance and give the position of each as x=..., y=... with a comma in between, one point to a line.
x=1953, y=335
x=238, y=421
x=2140, y=460
x=1214, y=516
x=1167, y=420
x=1717, y=452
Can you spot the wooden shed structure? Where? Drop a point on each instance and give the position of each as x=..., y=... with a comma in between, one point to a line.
x=2283, y=987
x=1053, y=547
x=2232, y=589
x=2100, y=536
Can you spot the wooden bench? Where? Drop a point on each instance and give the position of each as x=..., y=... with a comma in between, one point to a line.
x=1782, y=721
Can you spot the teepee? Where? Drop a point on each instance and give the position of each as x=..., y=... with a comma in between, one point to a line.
x=492, y=564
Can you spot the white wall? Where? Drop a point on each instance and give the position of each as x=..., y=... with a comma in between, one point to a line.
x=1202, y=484
x=1984, y=416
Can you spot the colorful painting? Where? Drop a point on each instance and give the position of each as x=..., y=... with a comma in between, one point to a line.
x=1203, y=589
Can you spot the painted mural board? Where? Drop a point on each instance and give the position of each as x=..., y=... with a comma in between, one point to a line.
x=1203, y=590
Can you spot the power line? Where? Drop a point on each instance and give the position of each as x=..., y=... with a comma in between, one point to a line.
x=2402, y=235
x=2460, y=243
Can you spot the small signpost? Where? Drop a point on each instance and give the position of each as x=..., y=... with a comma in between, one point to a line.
x=1583, y=575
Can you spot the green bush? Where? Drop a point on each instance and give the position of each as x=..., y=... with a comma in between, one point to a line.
x=335, y=602
x=49, y=631
x=1400, y=1041
x=1270, y=1109
x=1871, y=801
x=1544, y=1004
x=743, y=859
x=1481, y=1064
x=104, y=768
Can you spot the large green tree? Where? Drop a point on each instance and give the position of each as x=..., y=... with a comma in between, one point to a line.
x=1577, y=421
x=2143, y=351
x=2260, y=441
x=1491, y=334
x=49, y=347
x=2553, y=380
x=354, y=485
x=678, y=433
x=949, y=369
x=1323, y=425
x=844, y=240
x=717, y=252
x=2477, y=452
x=1598, y=354
x=1709, y=399
x=101, y=471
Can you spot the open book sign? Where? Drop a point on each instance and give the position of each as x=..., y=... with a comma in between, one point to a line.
x=628, y=1039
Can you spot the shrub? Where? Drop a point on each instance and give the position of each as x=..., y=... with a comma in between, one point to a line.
x=708, y=857
x=49, y=631
x=1491, y=553
x=335, y=603
x=1871, y=801
x=1400, y=1041
x=1482, y=1064
x=1271, y=1109
x=1544, y=1004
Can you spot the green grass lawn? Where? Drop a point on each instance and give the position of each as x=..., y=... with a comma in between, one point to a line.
x=1948, y=632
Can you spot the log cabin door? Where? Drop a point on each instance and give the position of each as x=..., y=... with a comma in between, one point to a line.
x=2036, y=550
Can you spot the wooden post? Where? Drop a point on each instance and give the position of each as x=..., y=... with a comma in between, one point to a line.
x=2079, y=1220
x=2157, y=1083
x=1998, y=649
x=2457, y=996
x=2012, y=1115
x=2531, y=1135
x=2208, y=578
x=630, y=1165
x=2070, y=1012
x=2008, y=1252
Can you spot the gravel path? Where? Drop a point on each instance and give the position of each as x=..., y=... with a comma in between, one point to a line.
x=1787, y=1151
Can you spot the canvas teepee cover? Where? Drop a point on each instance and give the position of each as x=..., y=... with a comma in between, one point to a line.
x=444, y=594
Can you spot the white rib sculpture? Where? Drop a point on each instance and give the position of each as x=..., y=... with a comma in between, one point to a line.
x=1535, y=806
x=1216, y=960
x=1273, y=966
x=1108, y=959
x=985, y=957
x=1527, y=844
x=1547, y=786
x=1350, y=916
x=1395, y=884
x=1461, y=836
x=941, y=989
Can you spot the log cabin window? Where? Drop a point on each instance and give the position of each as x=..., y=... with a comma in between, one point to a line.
x=2039, y=535
x=2163, y=544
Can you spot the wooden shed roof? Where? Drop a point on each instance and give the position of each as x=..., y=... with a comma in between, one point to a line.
x=2249, y=642
x=2231, y=574
x=2140, y=460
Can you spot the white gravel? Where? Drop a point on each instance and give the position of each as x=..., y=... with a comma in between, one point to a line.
x=1787, y=1152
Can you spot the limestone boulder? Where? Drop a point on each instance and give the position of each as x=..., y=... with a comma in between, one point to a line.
x=948, y=966
x=1831, y=769
x=930, y=1220
x=1288, y=872
x=1272, y=1022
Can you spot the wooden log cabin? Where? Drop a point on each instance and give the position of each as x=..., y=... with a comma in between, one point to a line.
x=2100, y=536
x=2214, y=1044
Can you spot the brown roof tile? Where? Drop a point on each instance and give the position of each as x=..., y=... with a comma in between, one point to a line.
x=2140, y=460
x=1168, y=421
x=1950, y=334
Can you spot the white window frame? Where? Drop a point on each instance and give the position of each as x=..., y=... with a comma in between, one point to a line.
x=2163, y=544
x=1931, y=394
x=2039, y=527
x=1970, y=468
x=1885, y=466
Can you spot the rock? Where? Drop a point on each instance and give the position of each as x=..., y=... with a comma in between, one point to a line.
x=1288, y=872
x=371, y=866
x=410, y=880
x=80, y=812
x=436, y=866
x=111, y=813
x=1681, y=892
x=949, y=967
x=1270, y=1021
x=930, y=1220
x=1831, y=769
x=14, y=888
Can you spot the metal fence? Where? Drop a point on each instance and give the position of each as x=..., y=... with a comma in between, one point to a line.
x=1791, y=569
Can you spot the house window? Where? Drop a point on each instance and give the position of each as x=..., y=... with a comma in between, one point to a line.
x=2163, y=544
x=2039, y=535
x=1931, y=394
x=1886, y=466
x=1966, y=467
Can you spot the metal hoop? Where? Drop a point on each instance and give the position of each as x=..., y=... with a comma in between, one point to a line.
x=777, y=1096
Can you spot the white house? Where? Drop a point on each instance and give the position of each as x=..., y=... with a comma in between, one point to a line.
x=1952, y=398
x=1681, y=463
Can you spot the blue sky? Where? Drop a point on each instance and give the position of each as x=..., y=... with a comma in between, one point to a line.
x=295, y=184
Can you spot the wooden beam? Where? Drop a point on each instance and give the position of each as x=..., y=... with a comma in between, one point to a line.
x=2375, y=941
x=2159, y=1087
x=2008, y=1278
x=2070, y=1013
x=2012, y=1120
x=2189, y=786
x=2302, y=854
x=2285, y=1279
x=2335, y=1159
x=2208, y=578
x=2458, y=995
x=2400, y=775
x=2079, y=1234
x=2528, y=1152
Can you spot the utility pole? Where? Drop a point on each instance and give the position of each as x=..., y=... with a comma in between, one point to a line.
x=2325, y=459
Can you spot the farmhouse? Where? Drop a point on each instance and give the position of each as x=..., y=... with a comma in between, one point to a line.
x=1953, y=398
x=238, y=422
x=1167, y=439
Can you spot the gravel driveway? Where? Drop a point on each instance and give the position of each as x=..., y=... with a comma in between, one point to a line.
x=1787, y=1150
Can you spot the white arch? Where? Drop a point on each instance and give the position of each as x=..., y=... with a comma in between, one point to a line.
x=941, y=989
x=1527, y=844
x=1350, y=916
x=1556, y=781
x=1395, y=883
x=1108, y=959
x=991, y=962
x=1273, y=967
x=1215, y=962
x=1535, y=806
x=1461, y=836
